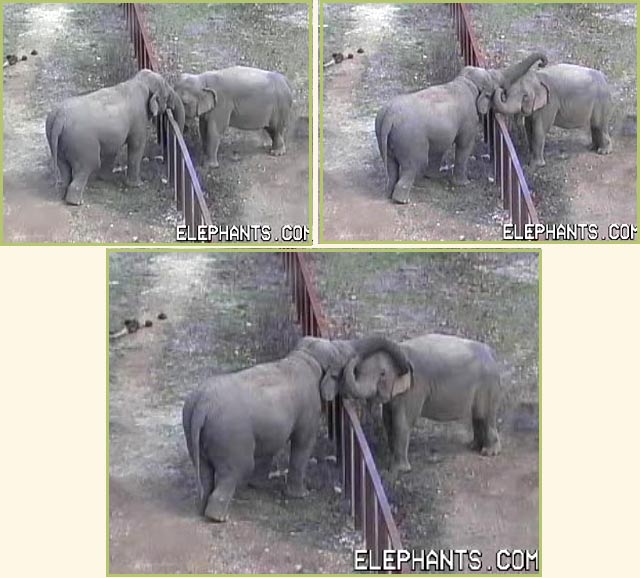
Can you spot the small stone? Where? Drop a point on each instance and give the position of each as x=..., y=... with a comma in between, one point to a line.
x=135, y=239
x=461, y=238
x=349, y=56
x=360, y=51
x=24, y=57
x=162, y=316
x=34, y=52
x=332, y=459
x=337, y=489
x=298, y=568
x=148, y=323
x=164, y=181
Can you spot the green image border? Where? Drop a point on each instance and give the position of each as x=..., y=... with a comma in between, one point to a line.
x=534, y=250
x=270, y=244
x=351, y=243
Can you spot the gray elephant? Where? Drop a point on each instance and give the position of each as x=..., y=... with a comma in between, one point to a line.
x=415, y=130
x=563, y=95
x=240, y=97
x=236, y=423
x=448, y=378
x=86, y=132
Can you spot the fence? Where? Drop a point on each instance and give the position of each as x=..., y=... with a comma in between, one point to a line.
x=361, y=481
x=187, y=192
x=516, y=197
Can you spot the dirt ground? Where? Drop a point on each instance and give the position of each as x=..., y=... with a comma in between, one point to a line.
x=250, y=186
x=408, y=47
x=80, y=47
x=576, y=185
x=453, y=498
x=224, y=312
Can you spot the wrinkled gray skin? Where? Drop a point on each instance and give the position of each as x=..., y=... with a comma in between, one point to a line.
x=240, y=97
x=86, y=132
x=236, y=423
x=449, y=378
x=563, y=95
x=415, y=130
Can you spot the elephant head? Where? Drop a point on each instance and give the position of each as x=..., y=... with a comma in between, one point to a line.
x=196, y=96
x=488, y=81
x=380, y=370
x=161, y=96
x=526, y=95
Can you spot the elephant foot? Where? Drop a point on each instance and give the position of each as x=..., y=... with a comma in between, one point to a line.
x=400, y=468
x=461, y=181
x=296, y=492
x=277, y=152
x=606, y=150
x=217, y=510
x=492, y=450
x=536, y=163
x=399, y=200
x=211, y=164
x=136, y=183
x=73, y=198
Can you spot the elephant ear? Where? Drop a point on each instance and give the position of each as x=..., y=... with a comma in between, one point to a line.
x=403, y=382
x=154, y=107
x=208, y=100
x=541, y=95
x=328, y=386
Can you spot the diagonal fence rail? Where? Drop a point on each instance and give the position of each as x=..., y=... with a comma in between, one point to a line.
x=515, y=193
x=360, y=478
x=187, y=192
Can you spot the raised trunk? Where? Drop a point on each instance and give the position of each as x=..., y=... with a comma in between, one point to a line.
x=177, y=108
x=513, y=105
x=370, y=345
x=515, y=71
x=351, y=387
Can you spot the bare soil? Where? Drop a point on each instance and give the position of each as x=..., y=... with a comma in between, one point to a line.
x=408, y=47
x=250, y=186
x=80, y=48
x=453, y=498
x=576, y=185
x=223, y=312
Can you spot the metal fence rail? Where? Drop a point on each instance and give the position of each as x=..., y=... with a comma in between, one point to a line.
x=187, y=192
x=361, y=480
x=516, y=196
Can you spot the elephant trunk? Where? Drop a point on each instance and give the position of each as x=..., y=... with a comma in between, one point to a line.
x=518, y=69
x=350, y=384
x=513, y=104
x=370, y=345
x=177, y=108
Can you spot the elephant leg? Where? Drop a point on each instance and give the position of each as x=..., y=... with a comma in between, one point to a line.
x=601, y=140
x=401, y=430
x=260, y=476
x=539, y=128
x=64, y=168
x=393, y=173
x=76, y=188
x=135, y=152
x=107, y=161
x=207, y=477
x=464, y=147
x=212, y=143
x=302, y=444
x=484, y=418
x=278, y=147
x=227, y=477
x=202, y=121
x=403, y=187
x=388, y=423
x=528, y=126
x=478, y=434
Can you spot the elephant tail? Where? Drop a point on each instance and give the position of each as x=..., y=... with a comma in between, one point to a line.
x=54, y=130
x=383, y=143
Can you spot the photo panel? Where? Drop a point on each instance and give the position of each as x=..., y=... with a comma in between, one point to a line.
x=410, y=154
x=168, y=123
x=303, y=412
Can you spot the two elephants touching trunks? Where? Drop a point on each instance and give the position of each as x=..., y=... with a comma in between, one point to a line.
x=415, y=130
x=235, y=423
x=86, y=132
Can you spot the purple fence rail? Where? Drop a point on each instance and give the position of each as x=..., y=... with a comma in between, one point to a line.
x=361, y=480
x=181, y=174
x=516, y=196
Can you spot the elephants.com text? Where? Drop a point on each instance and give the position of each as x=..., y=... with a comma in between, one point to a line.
x=241, y=233
x=568, y=232
x=458, y=560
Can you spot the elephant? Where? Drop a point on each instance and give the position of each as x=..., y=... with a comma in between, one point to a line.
x=240, y=97
x=415, y=130
x=235, y=423
x=86, y=132
x=563, y=95
x=449, y=378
